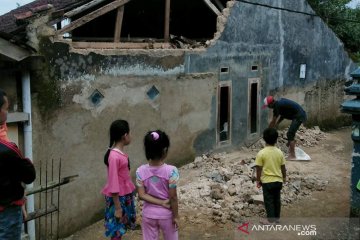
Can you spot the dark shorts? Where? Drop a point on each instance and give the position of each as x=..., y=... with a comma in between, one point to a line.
x=294, y=126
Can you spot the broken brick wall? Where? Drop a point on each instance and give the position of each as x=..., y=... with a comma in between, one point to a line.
x=280, y=42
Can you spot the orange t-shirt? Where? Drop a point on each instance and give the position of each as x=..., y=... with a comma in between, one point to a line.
x=3, y=133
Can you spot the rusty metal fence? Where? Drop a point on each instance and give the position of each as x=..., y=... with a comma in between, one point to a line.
x=47, y=200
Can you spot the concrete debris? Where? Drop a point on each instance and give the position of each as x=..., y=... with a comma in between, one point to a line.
x=305, y=137
x=217, y=194
x=185, y=43
x=225, y=186
x=258, y=199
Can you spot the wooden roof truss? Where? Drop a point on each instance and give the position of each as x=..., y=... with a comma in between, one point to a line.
x=116, y=4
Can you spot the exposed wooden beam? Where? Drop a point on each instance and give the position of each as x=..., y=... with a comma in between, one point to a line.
x=82, y=8
x=87, y=18
x=167, y=21
x=120, y=45
x=219, y=4
x=212, y=7
x=118, y=24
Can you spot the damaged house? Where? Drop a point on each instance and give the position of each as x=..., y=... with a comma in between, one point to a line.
x=197, y=69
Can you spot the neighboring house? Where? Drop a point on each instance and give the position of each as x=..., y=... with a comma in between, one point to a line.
x=199, y=72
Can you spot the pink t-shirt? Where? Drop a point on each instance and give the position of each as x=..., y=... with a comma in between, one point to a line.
x=157, y=180
x=118, y=179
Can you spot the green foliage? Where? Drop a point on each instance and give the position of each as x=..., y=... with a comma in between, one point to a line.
x=355, y=56
x=335, y=13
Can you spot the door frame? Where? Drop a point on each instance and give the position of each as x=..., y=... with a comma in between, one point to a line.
x=218, y=99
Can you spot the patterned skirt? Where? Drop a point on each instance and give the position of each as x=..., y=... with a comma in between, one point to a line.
x=115, y=228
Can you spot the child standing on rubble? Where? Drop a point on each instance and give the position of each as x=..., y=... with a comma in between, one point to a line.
x=158, y=179
x=270, y=175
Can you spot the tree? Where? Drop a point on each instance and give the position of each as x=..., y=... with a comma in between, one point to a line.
x=337, y=15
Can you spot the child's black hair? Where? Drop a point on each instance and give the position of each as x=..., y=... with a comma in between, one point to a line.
x=117, y=130
x=156, y=144
x=270, y=136
x=2, y=97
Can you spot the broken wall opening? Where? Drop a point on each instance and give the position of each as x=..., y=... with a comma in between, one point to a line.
x=145, y=19
x=254, y=93
x=224, y=112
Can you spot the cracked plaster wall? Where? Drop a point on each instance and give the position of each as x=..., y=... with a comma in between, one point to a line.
x=77, y=130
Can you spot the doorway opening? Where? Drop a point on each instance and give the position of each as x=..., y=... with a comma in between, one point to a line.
x=224, y=113
x=253, y=111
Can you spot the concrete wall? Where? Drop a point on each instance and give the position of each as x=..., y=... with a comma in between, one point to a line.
x=75, y=130
x=283, y=41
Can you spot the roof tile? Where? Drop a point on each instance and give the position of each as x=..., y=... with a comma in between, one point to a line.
x=8, y=21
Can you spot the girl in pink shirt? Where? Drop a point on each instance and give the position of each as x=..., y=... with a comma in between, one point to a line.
x=159, y=180
x=120, y=211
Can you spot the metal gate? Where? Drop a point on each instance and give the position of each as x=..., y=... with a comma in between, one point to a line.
x=47, y=201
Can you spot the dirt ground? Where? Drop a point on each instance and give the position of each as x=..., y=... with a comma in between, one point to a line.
x=328, y=210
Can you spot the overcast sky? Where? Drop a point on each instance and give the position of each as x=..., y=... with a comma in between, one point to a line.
x=8, y=5
x=354, y=3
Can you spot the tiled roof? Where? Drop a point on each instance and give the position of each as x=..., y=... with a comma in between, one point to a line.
x=8, y=21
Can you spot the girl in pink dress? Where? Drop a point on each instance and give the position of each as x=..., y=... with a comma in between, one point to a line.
x=120, y=211
x=158, y=179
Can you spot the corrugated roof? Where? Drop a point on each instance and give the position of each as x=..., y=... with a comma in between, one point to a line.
x=9, y=23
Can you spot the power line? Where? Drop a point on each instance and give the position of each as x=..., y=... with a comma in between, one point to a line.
x=298, y=12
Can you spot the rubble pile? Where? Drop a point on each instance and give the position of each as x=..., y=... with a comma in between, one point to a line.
x=225, y=186
x=305, y=137
x=309, y=137
x=185, y=43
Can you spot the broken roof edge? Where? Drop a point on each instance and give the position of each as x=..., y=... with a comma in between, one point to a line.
x=32, y=11
x=8, y=21
x=118, y=46
x=158, y=52
x=137, y=52
x=82, y=8
x=221, y=22
x=92, y=15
